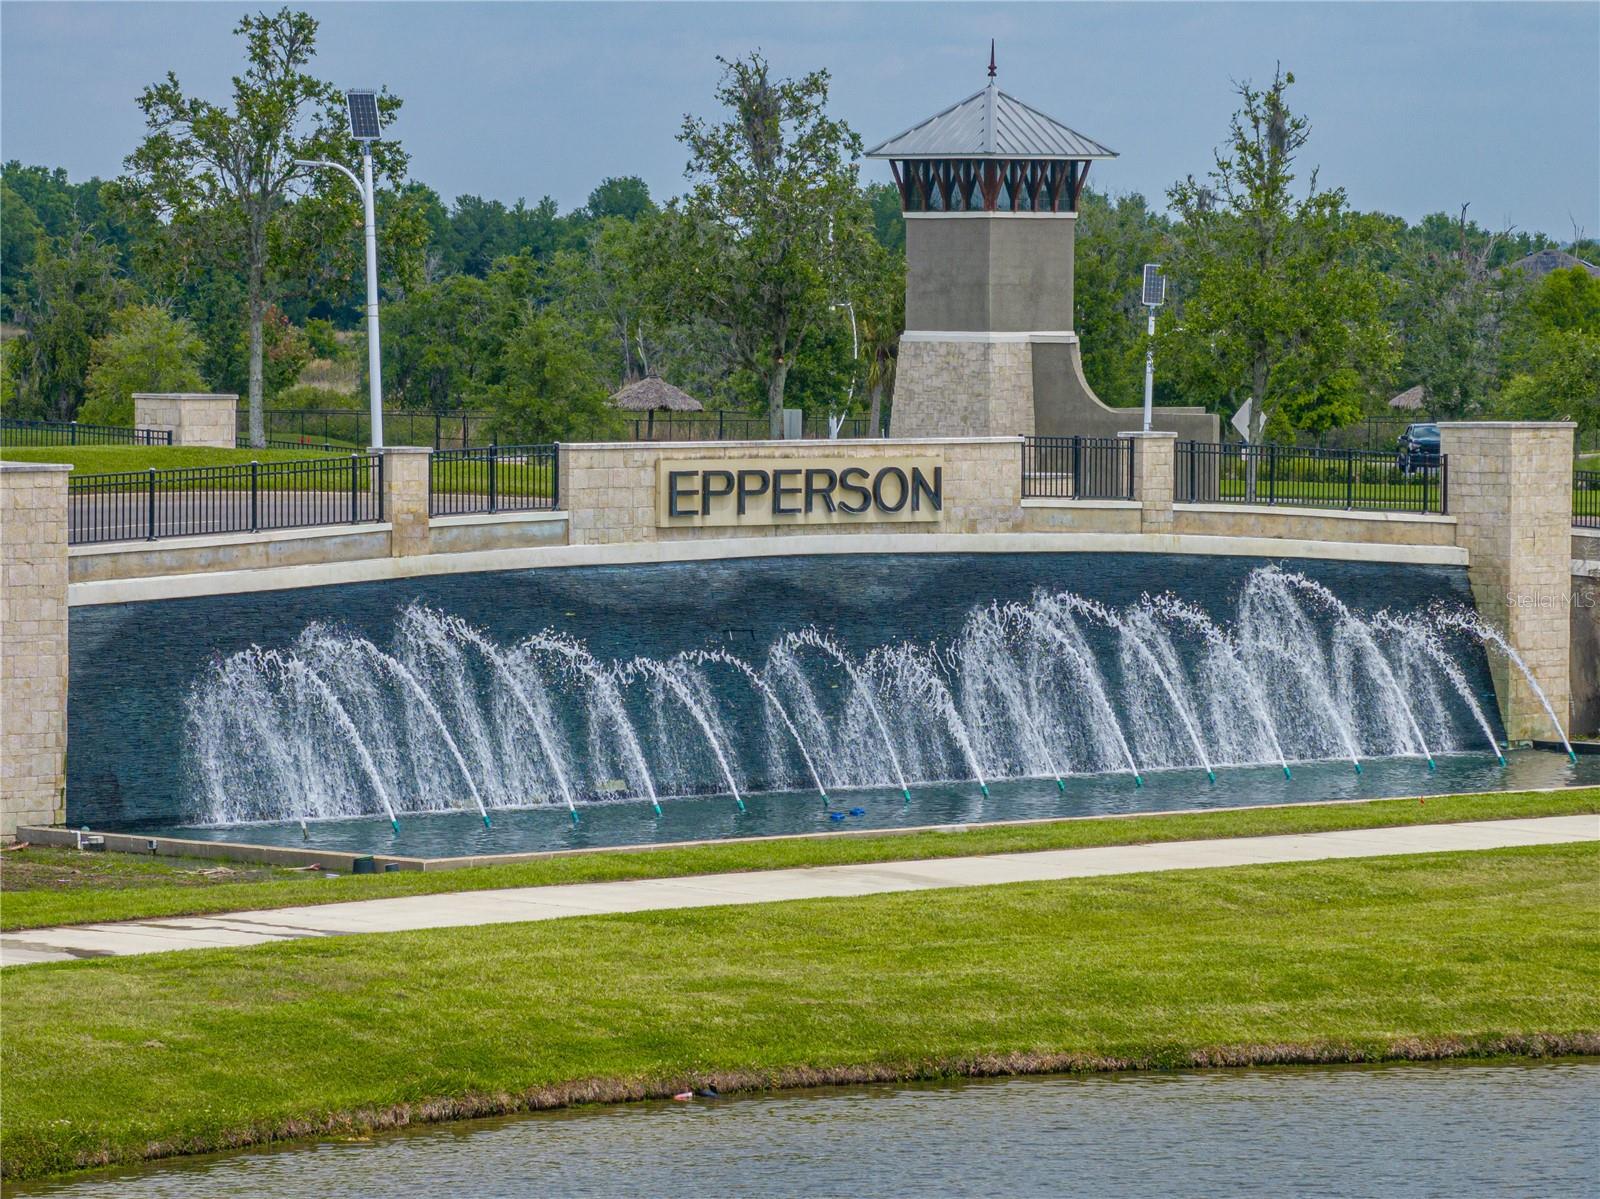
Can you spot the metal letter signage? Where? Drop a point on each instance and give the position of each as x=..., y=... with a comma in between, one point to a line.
x=723, y=492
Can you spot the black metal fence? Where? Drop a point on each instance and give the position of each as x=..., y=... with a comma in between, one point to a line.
x=71, y=432
x=1077, y=468
x=335, y=429
x=723, y=426
x=148, y=504
x=1306, y=477
x=494, y=478
x=1586, y=499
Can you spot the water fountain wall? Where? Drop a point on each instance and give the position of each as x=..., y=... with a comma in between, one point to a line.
x=569, y=687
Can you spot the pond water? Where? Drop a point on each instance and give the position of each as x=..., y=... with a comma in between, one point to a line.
x=1447, y=1130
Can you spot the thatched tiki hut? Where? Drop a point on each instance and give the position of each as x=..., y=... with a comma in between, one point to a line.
x=654, y=394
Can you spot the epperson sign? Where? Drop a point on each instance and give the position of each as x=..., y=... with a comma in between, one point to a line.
x=782, y=491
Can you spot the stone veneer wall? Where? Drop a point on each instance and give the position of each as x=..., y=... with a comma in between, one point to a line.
x=195, y=418
x=609, y=489
x=33, y=644
x=962, y=387
x=1511, y=495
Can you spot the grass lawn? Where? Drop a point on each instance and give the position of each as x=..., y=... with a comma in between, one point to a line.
x=1483, y=953
x=34, y=892
x=110, y=459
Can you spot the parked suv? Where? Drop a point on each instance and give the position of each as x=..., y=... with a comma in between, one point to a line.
x=1418, y=448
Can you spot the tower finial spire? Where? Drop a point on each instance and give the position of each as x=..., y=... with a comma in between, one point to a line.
x=991, y=58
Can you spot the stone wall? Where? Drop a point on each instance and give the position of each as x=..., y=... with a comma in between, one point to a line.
x=194, y=418
x=1313, y=524
x=1511, y=495
x=33, y=644
x=953, y=386
x=609, y=489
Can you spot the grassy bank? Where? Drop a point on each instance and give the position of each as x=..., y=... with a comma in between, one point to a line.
x=1468, y=953
x=45, y=894
x=111, y=459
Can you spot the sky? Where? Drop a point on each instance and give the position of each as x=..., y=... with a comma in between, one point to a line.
x=1414, y=108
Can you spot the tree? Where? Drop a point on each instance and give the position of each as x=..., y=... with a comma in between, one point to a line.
x=74, y=288
x=1553, y=350
x=222, y=184
x=146, y=349
x=772, y=225
x=1276, y=295
x=627, y=197
x=553, y=389
x=1447, y=311
x=881, y=313
x=1114, y=239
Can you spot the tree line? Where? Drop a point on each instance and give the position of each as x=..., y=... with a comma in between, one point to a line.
x=776, y=279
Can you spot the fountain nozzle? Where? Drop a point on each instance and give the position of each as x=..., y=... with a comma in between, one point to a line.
x=486, y=823
x=574, y=813
x=1212, y=775
x=1060, y=786
x=395, y=823
x=656, y=806
x=1286, y=773
x=984, y=787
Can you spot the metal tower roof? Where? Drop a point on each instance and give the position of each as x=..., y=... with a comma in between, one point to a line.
x=991, y=124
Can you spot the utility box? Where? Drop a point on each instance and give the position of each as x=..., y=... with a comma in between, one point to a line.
x=794, y=424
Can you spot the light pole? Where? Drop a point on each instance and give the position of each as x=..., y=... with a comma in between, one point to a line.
x=1155, y=294
x=364, y=127
x=836, y=423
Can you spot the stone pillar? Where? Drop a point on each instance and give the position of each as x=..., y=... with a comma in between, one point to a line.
x=963, y=385
x=405, y=498
x=195, y=418
x=1154, y=461
x=33, y=645
x=1510, y=490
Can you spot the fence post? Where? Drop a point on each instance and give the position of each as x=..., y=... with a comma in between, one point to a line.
x=255, y=493
x=1444, y=484
x=1194, y=476
x=1075, y=484
x=72, y=434
x=1350, y=479
x=1272, y=473
x=355, y=508
x=555, y=476
x=494, y=476
x=150, y=507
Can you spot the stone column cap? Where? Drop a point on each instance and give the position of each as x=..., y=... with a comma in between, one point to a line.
x=1150, y=433
x=186, y=395
x=399, y=449
x=1507, y=424
x=19, y=468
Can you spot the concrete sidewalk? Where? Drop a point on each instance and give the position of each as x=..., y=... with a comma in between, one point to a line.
x=708, y=890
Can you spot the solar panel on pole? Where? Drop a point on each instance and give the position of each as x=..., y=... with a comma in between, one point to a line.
x=1155, y=285
x=363, y=115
